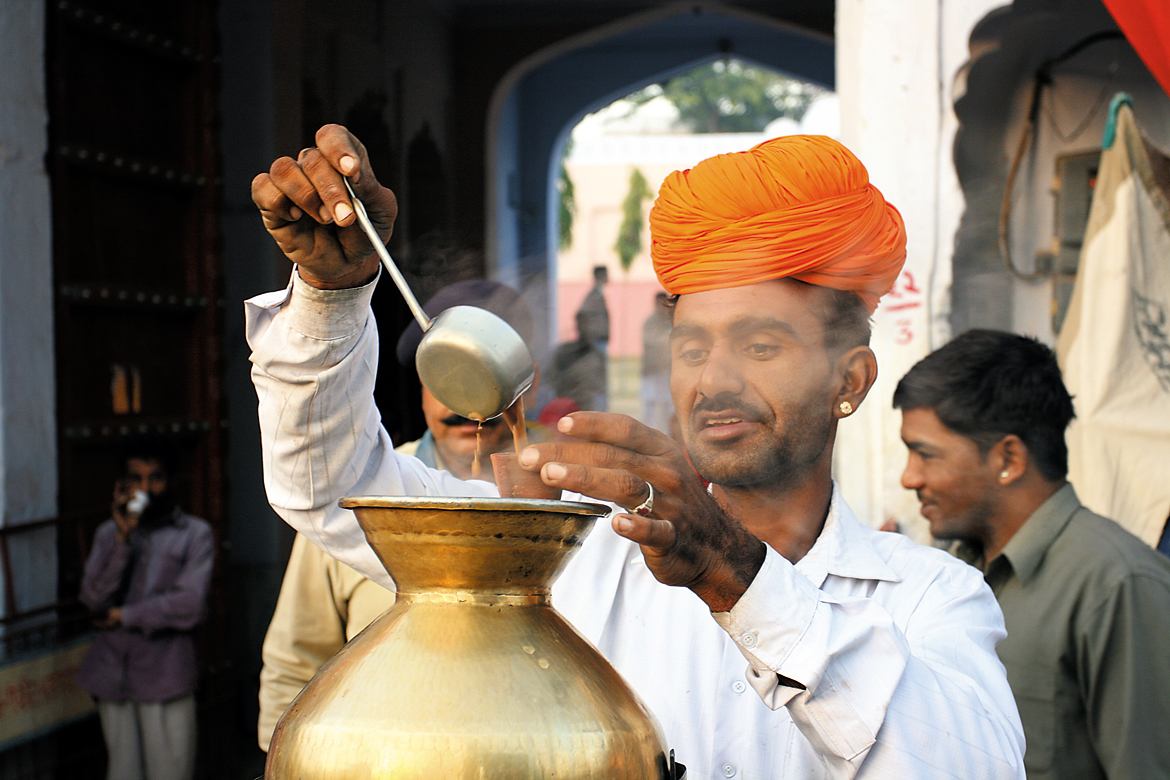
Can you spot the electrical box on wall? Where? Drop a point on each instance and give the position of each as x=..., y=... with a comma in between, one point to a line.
x=1075, y=180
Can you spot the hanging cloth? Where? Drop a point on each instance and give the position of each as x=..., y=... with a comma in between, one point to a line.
x=1114, y=346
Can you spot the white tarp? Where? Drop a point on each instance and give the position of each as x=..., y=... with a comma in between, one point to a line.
x=1114, y=346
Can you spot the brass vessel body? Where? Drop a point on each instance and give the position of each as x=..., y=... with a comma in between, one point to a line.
x=472, y=673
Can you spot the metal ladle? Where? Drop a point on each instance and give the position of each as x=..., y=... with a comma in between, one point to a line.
x=472, y=361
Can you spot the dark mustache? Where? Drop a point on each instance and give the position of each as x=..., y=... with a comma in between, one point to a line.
x=727, y=402
x=455, y=419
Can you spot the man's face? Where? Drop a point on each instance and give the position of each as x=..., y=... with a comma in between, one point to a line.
x=954, y=481
x=147, y=475
x=752, y=383
x=455, y=436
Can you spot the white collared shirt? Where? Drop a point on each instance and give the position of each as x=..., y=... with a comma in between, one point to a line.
x=893, y=641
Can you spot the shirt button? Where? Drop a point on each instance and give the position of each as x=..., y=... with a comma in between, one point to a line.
x=739, y=686
x=728, y=770
x=749, y=640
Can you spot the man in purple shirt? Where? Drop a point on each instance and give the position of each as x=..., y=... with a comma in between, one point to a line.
x=146, y=582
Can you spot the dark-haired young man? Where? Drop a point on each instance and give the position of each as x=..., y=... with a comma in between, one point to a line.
x=146, y=582
x=1087, y=604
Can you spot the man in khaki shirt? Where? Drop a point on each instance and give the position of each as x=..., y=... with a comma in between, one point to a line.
x=1087, y=604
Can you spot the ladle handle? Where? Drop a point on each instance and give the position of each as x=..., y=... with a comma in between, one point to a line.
x=364, y=220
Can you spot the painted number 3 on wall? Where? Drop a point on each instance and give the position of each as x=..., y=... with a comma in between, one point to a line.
x=904, y=299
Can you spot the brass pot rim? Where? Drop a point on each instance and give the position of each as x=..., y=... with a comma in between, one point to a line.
x=475, y=503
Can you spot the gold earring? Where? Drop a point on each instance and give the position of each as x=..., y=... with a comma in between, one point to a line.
x=846, y=408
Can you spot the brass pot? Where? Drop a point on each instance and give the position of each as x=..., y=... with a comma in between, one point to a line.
x=472, y=673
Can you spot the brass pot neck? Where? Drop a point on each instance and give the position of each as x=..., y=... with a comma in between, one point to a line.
x=534, y=598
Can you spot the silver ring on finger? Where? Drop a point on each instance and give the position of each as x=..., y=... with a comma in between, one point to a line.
x=647, y=506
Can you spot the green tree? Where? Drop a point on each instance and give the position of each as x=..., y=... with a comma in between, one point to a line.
x=629, y=239
x=567, y=202
x=730, y=96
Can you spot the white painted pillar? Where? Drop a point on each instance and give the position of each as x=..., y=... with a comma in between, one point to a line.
x=28, y=452
x=897, y=71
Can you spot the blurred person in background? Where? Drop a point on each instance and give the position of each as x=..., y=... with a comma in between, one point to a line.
x=146, y=581
x=578, y=371
x=657, y=406
x=593, y=315
x=593, y=327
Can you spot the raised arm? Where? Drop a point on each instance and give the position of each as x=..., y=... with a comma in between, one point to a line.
x=315, y=354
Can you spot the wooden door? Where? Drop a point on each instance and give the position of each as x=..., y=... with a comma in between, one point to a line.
x=133, y=162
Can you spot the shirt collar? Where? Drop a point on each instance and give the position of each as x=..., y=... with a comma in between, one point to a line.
x=428, y=453
x=844, y=548
x=1027, y=548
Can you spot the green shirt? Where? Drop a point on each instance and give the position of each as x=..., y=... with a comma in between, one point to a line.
x=1087, y=608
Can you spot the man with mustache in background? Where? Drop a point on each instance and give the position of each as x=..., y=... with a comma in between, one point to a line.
x=770, y=633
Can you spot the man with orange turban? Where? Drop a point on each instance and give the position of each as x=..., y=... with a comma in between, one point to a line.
x=866, y=655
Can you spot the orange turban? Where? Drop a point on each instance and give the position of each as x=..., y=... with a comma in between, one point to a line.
x=799, y=206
